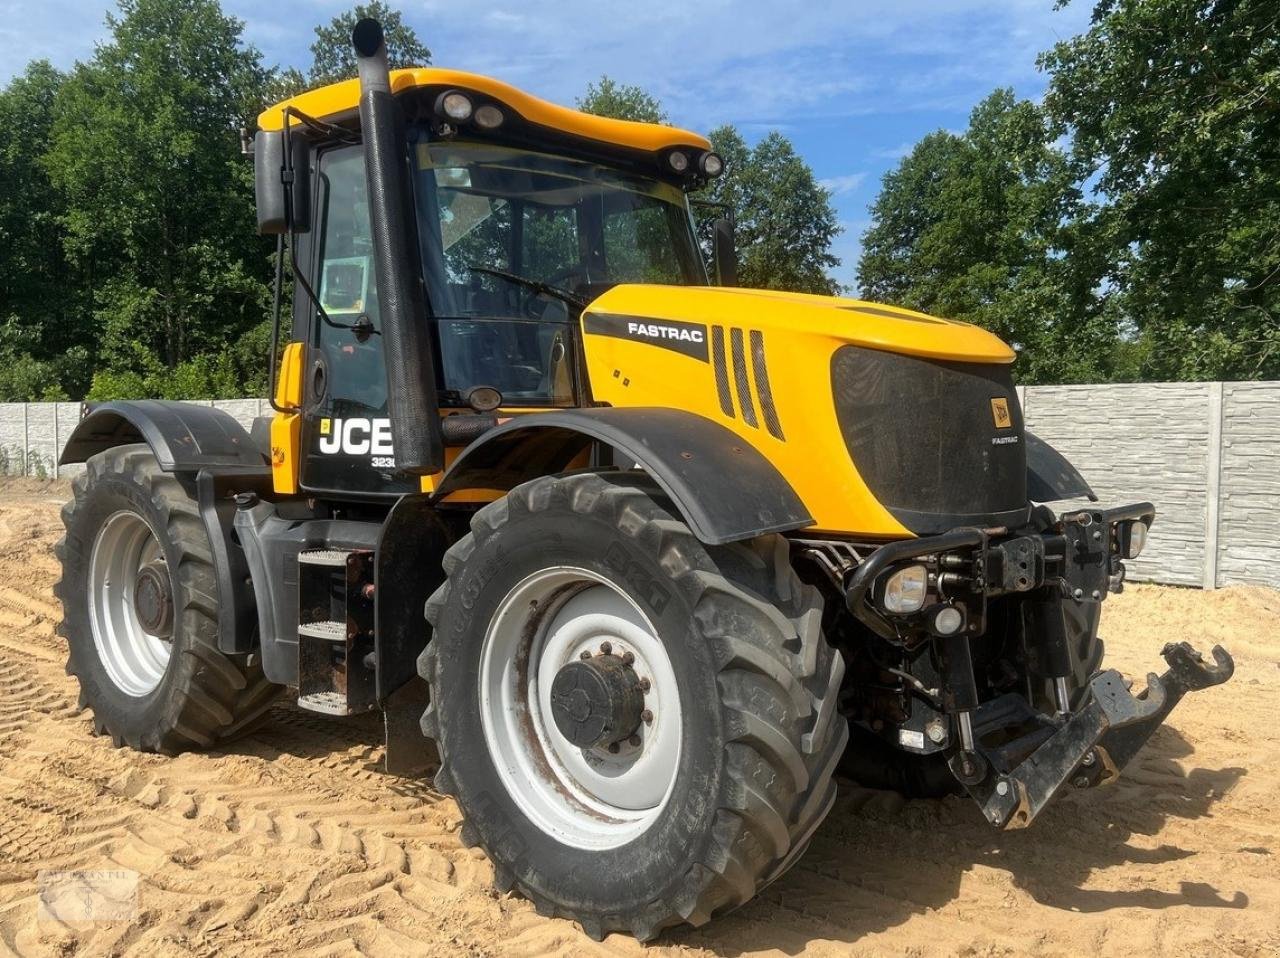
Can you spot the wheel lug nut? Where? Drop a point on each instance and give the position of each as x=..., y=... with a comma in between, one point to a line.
x=613, y=748
x=634, y=741
x=605, y=648
x=644, y=685
x=646, y=716
x=628, y=658
x=585, y=655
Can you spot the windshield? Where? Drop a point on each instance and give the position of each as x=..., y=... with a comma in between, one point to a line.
x=515, y=242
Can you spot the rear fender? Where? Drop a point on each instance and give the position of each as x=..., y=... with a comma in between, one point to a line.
x=214, y=454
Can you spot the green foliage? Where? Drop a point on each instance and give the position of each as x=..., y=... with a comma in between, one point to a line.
x=607, y=97
x=1174, y=107
x=1169, y=112
x=34, y=273
x=333, y=59
x=158, y=202
x=974, y=227
x=785, y=222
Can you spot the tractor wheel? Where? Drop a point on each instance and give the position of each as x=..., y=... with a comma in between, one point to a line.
x=640, y=730
x=139, y=603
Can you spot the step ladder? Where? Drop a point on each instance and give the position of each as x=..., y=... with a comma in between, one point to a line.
x=335, y=631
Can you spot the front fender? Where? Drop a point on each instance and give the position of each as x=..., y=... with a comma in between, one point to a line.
x=723, y=487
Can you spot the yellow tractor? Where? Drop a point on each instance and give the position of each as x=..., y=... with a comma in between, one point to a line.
x=647, y=558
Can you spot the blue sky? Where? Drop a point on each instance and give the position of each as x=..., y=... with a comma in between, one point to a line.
x=852, y=83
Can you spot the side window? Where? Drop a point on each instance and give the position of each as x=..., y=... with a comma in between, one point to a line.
x=637, y=243
x=353, y=381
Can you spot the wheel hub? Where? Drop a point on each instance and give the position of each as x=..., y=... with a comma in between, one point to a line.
x=597, y=702
x=152, y=599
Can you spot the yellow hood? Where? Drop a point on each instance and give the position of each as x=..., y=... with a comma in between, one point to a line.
x=865, y=324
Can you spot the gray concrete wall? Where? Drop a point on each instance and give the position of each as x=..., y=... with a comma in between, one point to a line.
x=1207, y=455
x=1134, y=443
x=33, y=434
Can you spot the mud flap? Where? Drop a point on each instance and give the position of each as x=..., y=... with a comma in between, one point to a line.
x=1098, y=740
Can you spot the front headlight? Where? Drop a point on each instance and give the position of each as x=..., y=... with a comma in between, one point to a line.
x=904, y=591
x=1131, y=538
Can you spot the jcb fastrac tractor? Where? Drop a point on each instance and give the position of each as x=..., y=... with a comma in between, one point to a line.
x=647, y=558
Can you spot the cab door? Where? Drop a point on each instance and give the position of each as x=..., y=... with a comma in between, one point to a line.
x=346, y=430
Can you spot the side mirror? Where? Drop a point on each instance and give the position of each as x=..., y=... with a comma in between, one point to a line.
x=724, y=253
x=283, y=195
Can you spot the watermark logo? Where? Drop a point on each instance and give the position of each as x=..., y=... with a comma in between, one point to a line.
x=88, y=895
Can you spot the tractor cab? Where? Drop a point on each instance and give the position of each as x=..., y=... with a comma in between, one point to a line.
x=524, y=212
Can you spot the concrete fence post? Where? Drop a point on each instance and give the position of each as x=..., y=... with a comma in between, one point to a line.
x=26, y=439
x=1213, y=488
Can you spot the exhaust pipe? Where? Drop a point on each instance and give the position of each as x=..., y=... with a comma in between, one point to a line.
x=406, y=334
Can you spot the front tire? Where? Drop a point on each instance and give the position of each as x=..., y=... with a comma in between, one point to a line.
x=139, y=601
x=715, y=792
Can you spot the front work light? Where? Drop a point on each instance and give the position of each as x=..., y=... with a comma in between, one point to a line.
x=948, y=620
x=711, y=164
x=679, y=161
x=904, y=591
x=456, y=106
x=1131, y=538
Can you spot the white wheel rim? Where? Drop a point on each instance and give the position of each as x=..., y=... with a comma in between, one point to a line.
x=134, y=659
x=587, y=798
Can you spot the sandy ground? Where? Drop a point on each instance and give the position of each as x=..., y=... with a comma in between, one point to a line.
x=293, y=842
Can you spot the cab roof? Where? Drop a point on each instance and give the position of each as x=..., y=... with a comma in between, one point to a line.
x=340, y=101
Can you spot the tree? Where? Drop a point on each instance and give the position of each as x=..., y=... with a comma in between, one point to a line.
x=333, y=59
x=39, y=301
x=979, y=227
x=159, y=203
x=607, y=97
x=785, y=223
x=1174, y=107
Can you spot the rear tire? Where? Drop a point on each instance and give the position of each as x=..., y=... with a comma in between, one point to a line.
x=749, y=676
x=166, y=690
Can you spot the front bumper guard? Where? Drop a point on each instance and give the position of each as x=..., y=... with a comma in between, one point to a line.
x=1092, y=746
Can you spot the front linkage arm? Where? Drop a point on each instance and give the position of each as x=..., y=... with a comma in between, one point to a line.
x=1096, y=743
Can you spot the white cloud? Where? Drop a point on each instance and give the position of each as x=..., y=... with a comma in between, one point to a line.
x=843, y=185
x=894, y=152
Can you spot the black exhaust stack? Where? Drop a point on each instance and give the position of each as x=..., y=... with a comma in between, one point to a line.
x=406, y=334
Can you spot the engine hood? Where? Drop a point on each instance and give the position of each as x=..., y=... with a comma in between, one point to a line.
x=871, y=325
x=878, y=417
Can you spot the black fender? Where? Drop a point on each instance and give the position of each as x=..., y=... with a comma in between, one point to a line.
x=1050, y=476
x=722, y=486
x=215, y=455
x=184, y=437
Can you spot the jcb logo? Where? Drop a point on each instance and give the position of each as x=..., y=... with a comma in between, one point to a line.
x=1000, y=413
x=356, y=437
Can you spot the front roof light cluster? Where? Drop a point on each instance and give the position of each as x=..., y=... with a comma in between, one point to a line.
x=705, y=165
x=458, y=107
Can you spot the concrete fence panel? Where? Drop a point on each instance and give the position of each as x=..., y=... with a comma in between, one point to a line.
x=1207, y=455
x=1136, y=442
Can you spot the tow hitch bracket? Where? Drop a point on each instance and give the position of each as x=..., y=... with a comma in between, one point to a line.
x=1096, y=742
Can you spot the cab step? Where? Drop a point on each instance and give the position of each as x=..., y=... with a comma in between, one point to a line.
x=326, y=703
x=336, y=558
x=335, y=631
x=328, y=630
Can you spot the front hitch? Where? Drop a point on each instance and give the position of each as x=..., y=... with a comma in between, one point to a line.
x=1091, y=747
